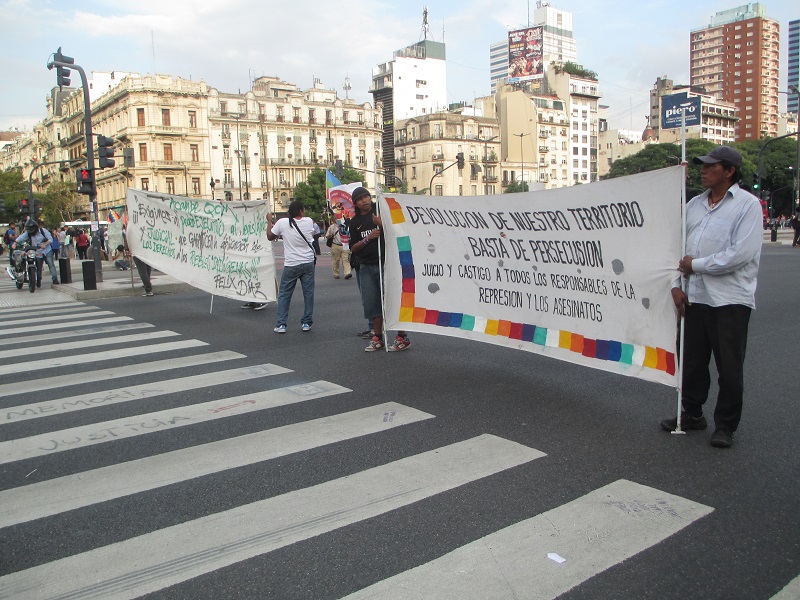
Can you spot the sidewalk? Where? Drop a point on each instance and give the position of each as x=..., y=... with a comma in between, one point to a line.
x=115, y=283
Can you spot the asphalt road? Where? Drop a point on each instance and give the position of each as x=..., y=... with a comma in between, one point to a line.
x=477, y=472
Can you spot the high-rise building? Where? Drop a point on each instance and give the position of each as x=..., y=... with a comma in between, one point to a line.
x=558, y=44
x=736, y=58
x=413, y=83
x=794, y=65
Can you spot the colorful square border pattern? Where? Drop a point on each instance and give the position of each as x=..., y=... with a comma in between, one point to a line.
x=611, y=350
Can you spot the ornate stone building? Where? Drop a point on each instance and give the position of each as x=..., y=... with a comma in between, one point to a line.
x=266, y=141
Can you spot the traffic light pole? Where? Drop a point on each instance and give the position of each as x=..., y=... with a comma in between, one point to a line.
x=435, y=175
x=69, y=63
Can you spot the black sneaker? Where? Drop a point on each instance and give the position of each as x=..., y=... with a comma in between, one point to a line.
x=687, y=423
x=249, y=305
x=366, y=334
x=722, y=439
x=259, y=305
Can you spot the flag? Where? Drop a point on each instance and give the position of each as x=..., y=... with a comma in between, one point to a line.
x=330, y=181
x=113, y=216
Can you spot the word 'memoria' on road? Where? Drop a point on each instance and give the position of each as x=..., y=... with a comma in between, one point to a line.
x=582, y=274
x=218, y=247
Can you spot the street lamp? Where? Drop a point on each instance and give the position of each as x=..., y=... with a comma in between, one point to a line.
x=238, y=116
x=521, y=158
x=485, y=162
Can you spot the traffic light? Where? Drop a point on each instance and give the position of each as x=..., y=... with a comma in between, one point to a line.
x=85, y=181
x=127, y=158
x=105, y=150
x=756, y=183
x=24, y=206
x=62, y=73
x=460, y=160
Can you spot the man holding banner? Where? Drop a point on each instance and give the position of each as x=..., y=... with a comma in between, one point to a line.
x=723, y=245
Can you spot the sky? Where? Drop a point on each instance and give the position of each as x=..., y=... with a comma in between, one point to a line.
x=227, y=43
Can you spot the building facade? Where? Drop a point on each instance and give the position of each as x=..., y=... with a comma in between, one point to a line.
x=412, y=84
x=266, y=141
x=794, y=66
x=718, y=118
x=426, y=149
x=736, y=59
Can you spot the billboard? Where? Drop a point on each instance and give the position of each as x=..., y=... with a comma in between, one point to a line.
x=525, y=54
x=675, y=105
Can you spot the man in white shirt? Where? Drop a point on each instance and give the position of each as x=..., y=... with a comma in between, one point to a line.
x=300, y=260
x=723, y=245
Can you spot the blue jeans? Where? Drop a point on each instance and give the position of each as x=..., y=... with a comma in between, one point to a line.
x=305, y=273
x=50, y=265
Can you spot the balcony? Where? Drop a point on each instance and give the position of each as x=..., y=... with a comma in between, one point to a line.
x=280, y=119
x=544, y=149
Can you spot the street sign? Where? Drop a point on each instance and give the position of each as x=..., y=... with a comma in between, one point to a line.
x=675, y=105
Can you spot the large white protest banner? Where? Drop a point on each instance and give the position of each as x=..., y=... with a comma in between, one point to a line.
x=219, y=247
x=581, y=274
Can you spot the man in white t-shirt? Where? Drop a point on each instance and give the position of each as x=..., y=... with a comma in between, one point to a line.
x=300, y=260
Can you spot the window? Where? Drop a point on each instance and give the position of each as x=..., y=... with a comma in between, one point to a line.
x=170, y=185
x=413, y=172
x=145, y=184
x=168, y=152
x=196, y=186
x=439, y=191
x=195, y=152
x=227, y=179
x=223, y=108
x=165, y=117
x=140, y=117
x=142, y=153
x=192, y=119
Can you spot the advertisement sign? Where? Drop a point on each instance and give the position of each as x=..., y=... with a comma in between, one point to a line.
x=581, y=274
x=675, y=105
x=525, y=54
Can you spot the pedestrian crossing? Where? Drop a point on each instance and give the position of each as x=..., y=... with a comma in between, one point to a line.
x=54, y=437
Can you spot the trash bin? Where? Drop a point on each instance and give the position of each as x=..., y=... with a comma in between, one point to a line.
x=89, y=275
x=65, y=270
x=773, y=235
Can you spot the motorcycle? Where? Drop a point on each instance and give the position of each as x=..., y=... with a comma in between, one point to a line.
x=24, y=267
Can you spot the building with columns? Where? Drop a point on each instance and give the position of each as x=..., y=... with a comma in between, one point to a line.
x=267, y=140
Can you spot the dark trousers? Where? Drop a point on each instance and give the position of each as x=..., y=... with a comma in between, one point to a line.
x=796, y=239
x=722, y=332
x=144, y=273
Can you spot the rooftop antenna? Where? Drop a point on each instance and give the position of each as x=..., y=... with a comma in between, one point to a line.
x=347, y=87
x=426, y=29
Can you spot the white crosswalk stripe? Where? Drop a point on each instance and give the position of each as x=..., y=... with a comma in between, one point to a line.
x=66, y=493
x=96, y=343
x=548, y=555
x=540, y=557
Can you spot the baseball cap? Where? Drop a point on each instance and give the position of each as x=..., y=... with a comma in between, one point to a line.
x=719, y=154
x=360, y=192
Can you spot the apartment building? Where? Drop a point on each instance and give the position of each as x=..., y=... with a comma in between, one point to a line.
x=718, y=118
x=736, y=59
x=266, y=141
x=426, y=148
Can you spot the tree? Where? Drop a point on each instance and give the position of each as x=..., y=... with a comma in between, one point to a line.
x=312, y=191
x=59, y=203
x=660, y=156
x=516, y=186
x=12, y=188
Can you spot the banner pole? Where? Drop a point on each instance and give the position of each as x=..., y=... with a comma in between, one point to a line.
x=211, y=310
x=378, y=193
x=679, y=374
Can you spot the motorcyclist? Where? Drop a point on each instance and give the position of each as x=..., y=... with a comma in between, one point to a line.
x=39, y=238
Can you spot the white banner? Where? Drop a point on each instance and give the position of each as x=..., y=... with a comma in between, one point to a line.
x=582, y=274
x=219, y=247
